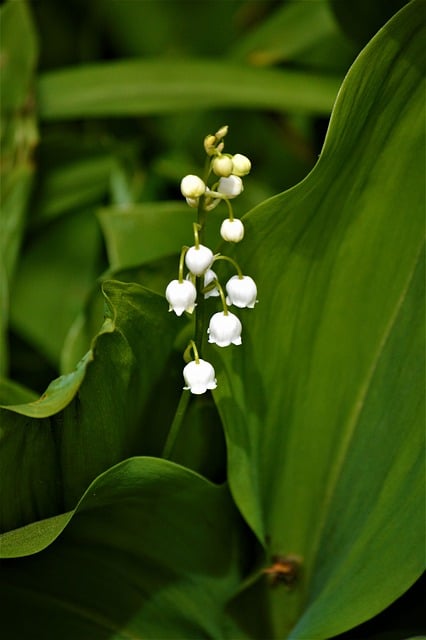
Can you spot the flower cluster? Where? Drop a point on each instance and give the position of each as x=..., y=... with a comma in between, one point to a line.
x=225, y=171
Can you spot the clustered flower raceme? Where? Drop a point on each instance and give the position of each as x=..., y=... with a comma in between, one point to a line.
x=224, y=327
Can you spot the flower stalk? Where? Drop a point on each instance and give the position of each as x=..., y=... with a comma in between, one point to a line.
x=201, y=283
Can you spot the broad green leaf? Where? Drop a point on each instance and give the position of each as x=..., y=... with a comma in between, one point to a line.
x=14, y=393
x=71, y=186
x=54, y=277
x=148, y=231
x=153, y=551
x=33, y=537
x=137, y=87
x=322, y=404
x=169, y=28
x=290, y=30
x=92, y=418
x=153, y=276
x=18, y=55
x=144, y=232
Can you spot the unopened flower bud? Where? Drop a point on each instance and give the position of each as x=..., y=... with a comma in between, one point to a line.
x=181, y=296
x=222, y=166
x=224, y=329
x=230, y=187
x=192, y=186
x=221, y=133
x=232, y=230
x=199, y=376
x=242, y=292
x=241, y=165
x=209, y=144
x=198, y=259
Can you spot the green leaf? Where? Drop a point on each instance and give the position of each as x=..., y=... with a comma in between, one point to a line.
x=14, y=393
x=322, y=404
x=72, y=185
x=144, y=232
x=153, y=551
x=137, y=87
x=153, y=276
x=290, y=30
x=53, y=279
x=18, y=55
x=92, y=418
x=169, y=29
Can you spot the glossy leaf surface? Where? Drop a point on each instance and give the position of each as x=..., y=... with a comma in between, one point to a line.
x=91, y=418
x=153, y=550
x=323, y=403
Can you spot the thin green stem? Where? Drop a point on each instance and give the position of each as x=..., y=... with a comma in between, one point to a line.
x=200, y=309
x=176, y=425
x=231, y=212
x=222, y=297
x=187, y=353
x=233, y=262
x=181, y=262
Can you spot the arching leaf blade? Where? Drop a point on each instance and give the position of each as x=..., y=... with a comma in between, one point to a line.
x=336, y=261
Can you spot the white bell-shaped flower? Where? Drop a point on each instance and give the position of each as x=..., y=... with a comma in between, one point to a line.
x=199, y=376
x=192, y=186
x=230, y=187
x=241, y=165
x=210, y=277
x=232, y=230
x=241, y=292
x=181, y=296
x=198, y=259
x=224, y=329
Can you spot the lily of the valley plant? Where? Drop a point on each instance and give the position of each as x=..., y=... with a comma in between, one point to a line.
x=223, y=172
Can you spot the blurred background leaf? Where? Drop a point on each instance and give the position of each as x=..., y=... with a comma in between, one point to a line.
x=18, y=56
x=360, y=20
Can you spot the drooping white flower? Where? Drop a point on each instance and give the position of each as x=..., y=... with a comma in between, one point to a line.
x=241, y=165
x=241, y=292
x=199, y=376
x=181, y=296
x=230, y=187
x=224, y=329
x=209, y=277
x=222, y=166
x=192, y=186
x=232, y=230
x=198, y=259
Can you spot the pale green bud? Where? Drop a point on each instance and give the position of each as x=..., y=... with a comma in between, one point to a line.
x=221, y=133
x=241, y=165
x=222, y=166
x=209, y=145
